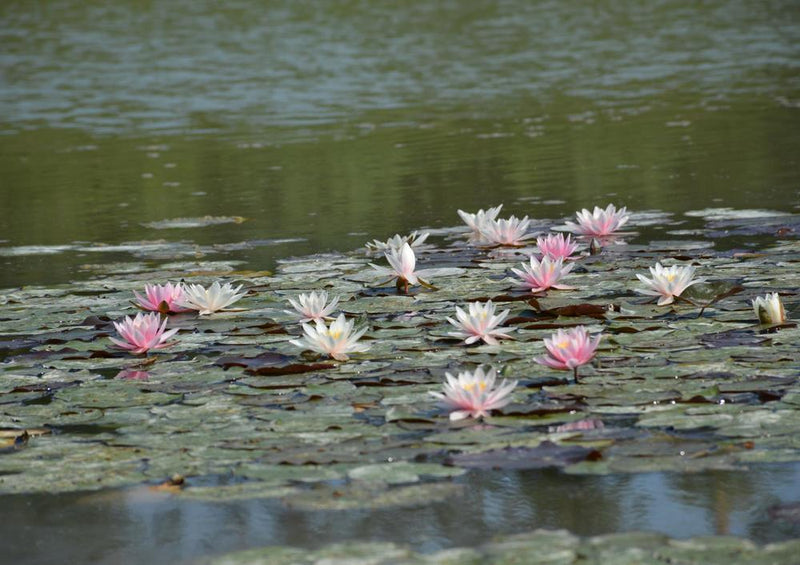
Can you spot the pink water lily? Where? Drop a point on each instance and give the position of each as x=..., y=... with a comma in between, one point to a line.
x=668, y=282
x=556, y=246
x=165, y=299
x=479, y=324
x=568, y=350
x=143, y=333
x=538, y=276
x=474, y=394
x=599, y=222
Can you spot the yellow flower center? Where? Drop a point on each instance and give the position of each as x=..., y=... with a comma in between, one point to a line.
x=562, y=344
x=335, y=333
x=670, y=277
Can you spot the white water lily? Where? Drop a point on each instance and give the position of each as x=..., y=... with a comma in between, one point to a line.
x=415, y=239
x=211, y=299
x=476, y=220
x=769, y=309
x=336, y=340
x=312, y=306
x=474, y=394
x=479, y=323
x=599, y=222
x=403, y=267
x=512, y=231
x=668, y=283
x=143, y=333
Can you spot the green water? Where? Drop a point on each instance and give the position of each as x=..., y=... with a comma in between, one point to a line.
x=330, y=125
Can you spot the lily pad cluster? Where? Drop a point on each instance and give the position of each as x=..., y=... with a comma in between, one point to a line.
x=686, y=387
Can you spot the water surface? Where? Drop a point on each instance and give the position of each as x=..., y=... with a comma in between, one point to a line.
x=328, y=126
x=142, y=526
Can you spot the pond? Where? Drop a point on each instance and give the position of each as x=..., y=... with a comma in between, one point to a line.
x=265, y=145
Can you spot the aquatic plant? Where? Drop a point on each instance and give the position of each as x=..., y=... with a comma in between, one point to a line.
x=556, y=246
x=538, y=275
x=476, y=220
x=403, y=264
x=143, y=333
x=312, y=306
x=569, y=349
x=165, y=299
x=336, y=340
x=511, y=232
x=212, y=299
x=668, y=283
x=415, y=239
x=474, y=394
x=769, y=309
x=479, y=323
x=599, y=222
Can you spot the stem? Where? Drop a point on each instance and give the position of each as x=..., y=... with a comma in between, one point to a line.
x=427, y=285
x=575, y=374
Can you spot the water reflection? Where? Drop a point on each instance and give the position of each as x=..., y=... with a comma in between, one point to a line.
x=141, y=525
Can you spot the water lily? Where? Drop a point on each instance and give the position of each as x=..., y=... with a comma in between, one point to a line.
x=336, y=340
x=510, y=232
x=212, y=299
x=474, y=394
x=166, y=298
x=569, y=349
x=556, y=246
x=538, y=276
x=312, y=306
x=668, y=283
x=479, y=323
x=143, y=333
x=403, y=263
x=415, y=239
x=599, y=222
x=475, y=221
x=769, y=309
